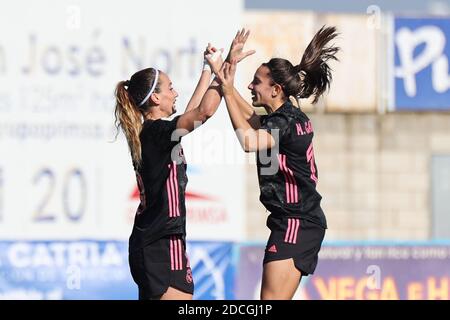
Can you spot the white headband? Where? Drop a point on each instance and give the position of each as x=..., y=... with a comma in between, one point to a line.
x=152, y=89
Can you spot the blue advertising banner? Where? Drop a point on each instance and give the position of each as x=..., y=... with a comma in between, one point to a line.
x=361, y=272
x=99, y=270
x=422, y=51
x=65, y=270
x=224, y=271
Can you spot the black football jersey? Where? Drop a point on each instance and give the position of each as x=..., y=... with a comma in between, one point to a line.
x=162, y=181
x=288, y=173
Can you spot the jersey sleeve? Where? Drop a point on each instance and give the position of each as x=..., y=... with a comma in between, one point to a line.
x=164, y=133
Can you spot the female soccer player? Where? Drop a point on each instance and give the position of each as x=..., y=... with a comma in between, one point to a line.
x=287, y=171
x=157, y=248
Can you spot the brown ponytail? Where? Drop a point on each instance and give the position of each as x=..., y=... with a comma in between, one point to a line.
x=313, y=75
x=313, y=68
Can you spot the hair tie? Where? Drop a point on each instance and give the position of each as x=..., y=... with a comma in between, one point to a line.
x=297, y=69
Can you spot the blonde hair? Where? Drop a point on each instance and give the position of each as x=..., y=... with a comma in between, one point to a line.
x=129, y=118
x=132, y=102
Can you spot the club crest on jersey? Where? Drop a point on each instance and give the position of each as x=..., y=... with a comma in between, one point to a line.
x=189, y=275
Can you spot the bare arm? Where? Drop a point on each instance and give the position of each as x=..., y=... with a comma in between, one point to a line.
x=195, y=117
x=200, y=90
x=251, y=139
x=205, y=99
x=247, y=110
x=202, y=85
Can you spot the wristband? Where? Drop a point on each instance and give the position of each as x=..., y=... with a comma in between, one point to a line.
x=214, y=57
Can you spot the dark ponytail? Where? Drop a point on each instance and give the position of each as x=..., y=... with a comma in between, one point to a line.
x=314, y=68
x=313, y=75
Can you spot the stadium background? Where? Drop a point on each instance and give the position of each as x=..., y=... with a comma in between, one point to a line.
x=382, y=140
